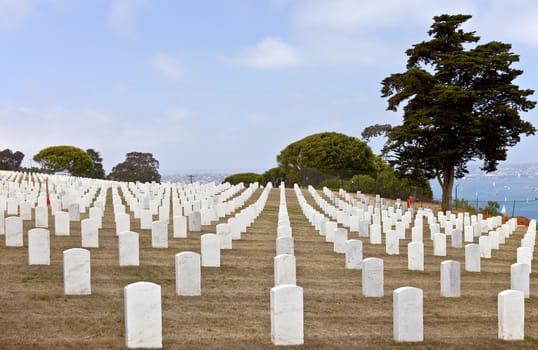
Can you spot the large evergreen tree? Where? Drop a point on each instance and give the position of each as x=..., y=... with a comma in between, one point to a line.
x=460, y=104
x=97, y=171
x=137, y=166
x=10, y=160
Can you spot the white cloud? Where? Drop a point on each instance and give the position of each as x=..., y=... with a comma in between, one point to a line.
x=270, y=53
x=179, y=114
x=13, y=13
x=514, y=21
x=123, y=14
x=168, y=66
x=110, y=133
x=351, y=15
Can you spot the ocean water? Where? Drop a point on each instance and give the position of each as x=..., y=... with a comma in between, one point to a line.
x=516, y=194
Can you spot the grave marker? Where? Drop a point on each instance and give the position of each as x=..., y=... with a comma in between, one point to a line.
x=143, y=315
x=188, y=274
x=511, y=314
x=287, y=315
x=128, y=247
x=353, y=254
x=408, y=320
x=372, y=277
x=77, y=271
x=38, y=246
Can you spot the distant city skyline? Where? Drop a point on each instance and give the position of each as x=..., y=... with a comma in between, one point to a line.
x=221, y=85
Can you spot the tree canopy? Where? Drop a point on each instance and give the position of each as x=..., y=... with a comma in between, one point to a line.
x=137, y=166
x=10, y=160
x=328, y=152
x=69, y=159
x=460, y=104
x=96, y=171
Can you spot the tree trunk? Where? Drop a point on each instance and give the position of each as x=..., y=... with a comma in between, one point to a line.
x=446, y=180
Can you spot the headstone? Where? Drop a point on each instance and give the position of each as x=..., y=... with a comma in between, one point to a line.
x=283, y=231
x=485, y=247
x=511, y=314
x=520, y=278
x=74, y=212
x=143, y=315
x=284, y=245
x=434, y=228
x=417, y=234
x=14, y=236
x=61, y=223
x=468, y=233
x=38, y=246
x=25, y=211
x=123, y=222
x=439, y=244
x=77, y=271
x=353, y=254
x=2, y=223
x=372, y=277
x=287, y=315
x=188, y=274
x=472, y=258
x=42, y=217
x=128, y=248
x=146, y=219
x=159, y=234
x=375, y=234
x=415, y=256
x=363, y=228
x=12, y=206
x=195, y=223
x=180, y=226
x=233, y=225
x=89, y=233
x=210, y=250
x=284, y=266
x=330, y=226
x=392, y=244
x=340, y=238
x=96, y=214
x=494, y=239
x=400, y=229
x=225, y=235
x=457, y=238
x=524, y=256
x=450, y=279
x=408, y=323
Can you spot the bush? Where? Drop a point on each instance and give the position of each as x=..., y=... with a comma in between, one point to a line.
x=335, y=184
x=363, y=183
x=246, y=178
x=492, y=209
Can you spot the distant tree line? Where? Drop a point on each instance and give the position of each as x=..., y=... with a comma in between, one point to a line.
x=74, y=161
x=335, y=160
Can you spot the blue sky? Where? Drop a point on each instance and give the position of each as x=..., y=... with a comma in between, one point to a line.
x=220, y=84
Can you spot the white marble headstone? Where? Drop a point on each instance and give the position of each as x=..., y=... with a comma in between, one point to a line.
x=408, y=323
x=77, y=271
x=128, y=247
x=143, y=315
x=511, y=314
x=287, y=315
x=38, y=246
x=188, y=274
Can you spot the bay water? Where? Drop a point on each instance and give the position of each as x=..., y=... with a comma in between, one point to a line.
x=517, y=195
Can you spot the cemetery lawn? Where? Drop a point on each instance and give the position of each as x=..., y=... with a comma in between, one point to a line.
x=233, y=311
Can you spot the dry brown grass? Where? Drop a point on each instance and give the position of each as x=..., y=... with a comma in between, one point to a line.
x=233, y=311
